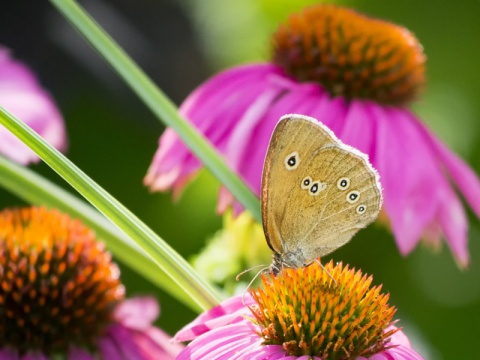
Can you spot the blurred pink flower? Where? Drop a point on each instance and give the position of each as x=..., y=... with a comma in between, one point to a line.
x=130, y=336
x=23, y=96
x=61, y=295
x=362, y=99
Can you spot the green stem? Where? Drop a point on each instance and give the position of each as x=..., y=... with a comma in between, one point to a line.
x=158, y=102
x=37, y=190
x=160, y=252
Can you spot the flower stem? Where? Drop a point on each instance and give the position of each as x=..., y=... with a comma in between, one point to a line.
x=158, y=102
x=158, y=250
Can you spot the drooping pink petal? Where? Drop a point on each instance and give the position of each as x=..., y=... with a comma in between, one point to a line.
x=359, y=127
x=250, y=163
x=8, y=353
x=464, y=177
x=244, y=132
x=409, y=177
x=137, y=313
x=157, y=343
x=213, y=115
x=222, y=343
x=228, y=312
x=449, y=213
x=75, y=353
x=133, y=336
x=222, y=84
x=396, y=353
x=248, y=145
x=21, y=95
x=34, y=356
x=108, y=348
x=125, y=343
x=453, y=222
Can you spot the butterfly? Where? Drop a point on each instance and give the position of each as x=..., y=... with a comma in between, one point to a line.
x=316, y=192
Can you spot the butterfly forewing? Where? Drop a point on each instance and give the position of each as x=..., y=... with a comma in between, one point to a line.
x=291, y=135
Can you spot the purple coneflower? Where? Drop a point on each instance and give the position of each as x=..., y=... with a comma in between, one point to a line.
x=61, y=296
x=22, y=95
x=356, y=75
x=301, y=314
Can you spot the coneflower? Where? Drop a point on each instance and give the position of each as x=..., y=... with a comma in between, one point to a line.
x=301, y=314
x=61, y=295
x=357, y=75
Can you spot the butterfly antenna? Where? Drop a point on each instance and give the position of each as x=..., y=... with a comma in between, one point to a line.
x=326, y=271
x=251, y=281
x=250, y=269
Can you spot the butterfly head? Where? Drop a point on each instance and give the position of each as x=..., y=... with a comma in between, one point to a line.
x=289, y=259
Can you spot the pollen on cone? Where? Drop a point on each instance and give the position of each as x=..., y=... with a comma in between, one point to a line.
x=49, y=296
x=308, y=314
x=351, y=55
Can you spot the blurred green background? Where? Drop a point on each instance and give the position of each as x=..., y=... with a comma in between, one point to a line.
x=179, y=44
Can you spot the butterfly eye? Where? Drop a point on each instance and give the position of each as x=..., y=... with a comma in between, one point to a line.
x=306, y=182
x=361, y=209
x=316, y=188
x=292, y=161
x=353, y=196
x=343, y=183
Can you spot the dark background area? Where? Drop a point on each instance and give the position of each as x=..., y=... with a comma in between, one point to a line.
x=112, y=136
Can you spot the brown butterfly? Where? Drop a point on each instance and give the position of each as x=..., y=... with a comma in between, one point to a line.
x=316, y=192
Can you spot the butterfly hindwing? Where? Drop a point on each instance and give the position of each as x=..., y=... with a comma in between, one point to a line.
x=331, y=217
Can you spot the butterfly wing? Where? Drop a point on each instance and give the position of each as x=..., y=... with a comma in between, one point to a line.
x=338, y=212
x=316, y=191
x=293, y=133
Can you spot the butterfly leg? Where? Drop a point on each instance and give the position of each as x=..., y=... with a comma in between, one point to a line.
x=326, y=271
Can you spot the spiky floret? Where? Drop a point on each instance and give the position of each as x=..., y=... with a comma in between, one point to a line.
x=308, y=314
x=351, y=55
x=58, y=285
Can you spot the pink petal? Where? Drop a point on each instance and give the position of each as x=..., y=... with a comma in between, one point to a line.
x=133, y=337
x=359, y=127
x=248, y=145
x=137, y=313
x=240, y=140
x=9, y=354
x=14, y=74
x=154, y=341
x=21, y=95
x=76, y=353
x=125, y=343
x=450, y=215
x=222, y=83
x=109, y=349
x=225, y=199
x=34, y=356
x=399, y=349
x=408, y=174
x=214, y=114
x=453, y=222
x=465, y=178
x=398, y=338
x=249, y=158
x=330, y=112
x=397, y=353
x=229, y=312
x=221, y=343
